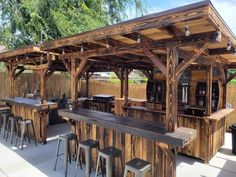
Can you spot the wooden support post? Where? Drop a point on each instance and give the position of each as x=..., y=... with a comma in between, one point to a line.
x=11, y=72
x=225, y=89
x=126, y=86
x=87, y=83
x=171, y=87
x=209, y=91
x=122, y=77
x=74, y=84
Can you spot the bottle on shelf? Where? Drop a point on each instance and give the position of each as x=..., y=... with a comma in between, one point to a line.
x=203, y=90
x=200, y=90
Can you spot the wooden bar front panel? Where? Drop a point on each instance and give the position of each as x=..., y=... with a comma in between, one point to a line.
x=28, y=113
x=131, y=147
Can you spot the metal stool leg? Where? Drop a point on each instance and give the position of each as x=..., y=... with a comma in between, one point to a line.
x=98, y=162
x=58, y=146
x=33, y=129
x=13, y=122
x=22, y=133
x=4, y=126
x=87, y=161
x=66, y=156
x=109, y=167
x=8, y=127
x=78, y=161
x=125, y=172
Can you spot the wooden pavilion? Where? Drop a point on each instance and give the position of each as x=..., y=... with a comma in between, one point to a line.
x=190, y=44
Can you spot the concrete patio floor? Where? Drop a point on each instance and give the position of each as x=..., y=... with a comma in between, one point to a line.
x=38, y=161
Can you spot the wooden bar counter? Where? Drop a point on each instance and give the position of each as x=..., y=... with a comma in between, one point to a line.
x=210, y=129
x=136, y=138
x=32, y=109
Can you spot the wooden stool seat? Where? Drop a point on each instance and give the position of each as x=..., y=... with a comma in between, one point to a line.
x=138, y=166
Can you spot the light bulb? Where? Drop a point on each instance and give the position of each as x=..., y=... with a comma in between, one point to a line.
x=81, y=48
x=187, y=31
x=228, y=46
x=138, y=40
x=107, y=45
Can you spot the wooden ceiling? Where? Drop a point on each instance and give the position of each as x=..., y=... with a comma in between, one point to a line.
x=124, y=44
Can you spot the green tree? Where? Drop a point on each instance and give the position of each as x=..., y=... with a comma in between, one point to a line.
x=26, y=22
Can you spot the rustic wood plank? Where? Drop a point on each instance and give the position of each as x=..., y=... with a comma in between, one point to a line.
x=141, y=128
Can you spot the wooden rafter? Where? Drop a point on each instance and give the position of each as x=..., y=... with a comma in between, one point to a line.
x=148, y=74
x=156, y=60
x=67, y=65
x=19, y=73
x=230, y=77
x=187, y=61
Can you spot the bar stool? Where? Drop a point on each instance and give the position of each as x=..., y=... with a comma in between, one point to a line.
x=108, y=154
x=12, y=126
x=138, y=166
x=24, y=131
x=66, y=138
x=87, y=145
x=4, y=118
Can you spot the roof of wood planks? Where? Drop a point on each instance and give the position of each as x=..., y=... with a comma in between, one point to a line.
x=154, y=31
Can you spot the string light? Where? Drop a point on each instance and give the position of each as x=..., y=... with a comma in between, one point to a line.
x=187, y=31
x=63, y=51
x=107, y=44
x=81, y=48
x=138, y=40
x=229, y=46
x=235, y=51
x=218, y=36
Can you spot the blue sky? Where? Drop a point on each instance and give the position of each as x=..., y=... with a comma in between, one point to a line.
x=226, y=8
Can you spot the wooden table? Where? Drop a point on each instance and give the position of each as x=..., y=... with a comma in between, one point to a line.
x=32, y=109
x=136, y=138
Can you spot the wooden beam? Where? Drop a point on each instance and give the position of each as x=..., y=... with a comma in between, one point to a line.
x=66, y=64
x=231, y=77
x=188, y=60
x=224, y=88
x=19, y=73
x=156, y=60
x=74, y=84
x=221, y=51
x=209, y=91
x=171, y=87
x=11, y=72
x=148, y=74
x=87, y=84
x=126, y=86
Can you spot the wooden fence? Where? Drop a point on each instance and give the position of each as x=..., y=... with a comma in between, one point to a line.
x=59, y=84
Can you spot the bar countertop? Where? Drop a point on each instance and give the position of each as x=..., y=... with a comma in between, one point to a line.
x=32, y=103
x=146, y=129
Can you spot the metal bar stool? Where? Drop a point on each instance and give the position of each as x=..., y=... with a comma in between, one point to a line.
x=138, y=166
x=66, y=138
x=108, y=154
x=12, y=126
x=87, y=145
x=24, y=131
x=4, y=117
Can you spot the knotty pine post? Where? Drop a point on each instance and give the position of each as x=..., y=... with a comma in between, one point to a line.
x=126, y=86
x=225, y=89
x=122, y=83
x=74, y=84
x=11, y=72
x=43, y=80
x=87, y=83
x=209, y=91
x=171, y=87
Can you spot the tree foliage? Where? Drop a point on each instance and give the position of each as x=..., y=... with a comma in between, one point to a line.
x=26, y=22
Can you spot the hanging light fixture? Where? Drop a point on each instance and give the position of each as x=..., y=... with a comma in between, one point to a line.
x=81, y=48
x=229, y=46
x=187, y=31
x=63, y=51
x=218, y=36
x=107, y=44
x=138, y=39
